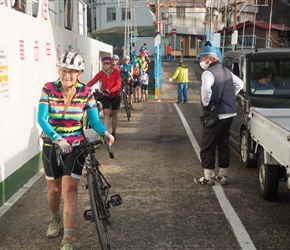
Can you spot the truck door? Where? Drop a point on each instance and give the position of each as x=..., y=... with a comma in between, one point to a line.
x=234, y=65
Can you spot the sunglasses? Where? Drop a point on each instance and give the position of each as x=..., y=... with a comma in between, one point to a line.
x=107, y=63
x=70, y=72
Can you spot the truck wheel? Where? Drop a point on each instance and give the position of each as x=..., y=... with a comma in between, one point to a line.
x=268, y=177
x=245, y=150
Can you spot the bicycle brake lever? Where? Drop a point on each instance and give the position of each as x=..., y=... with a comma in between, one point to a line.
x=108, y=147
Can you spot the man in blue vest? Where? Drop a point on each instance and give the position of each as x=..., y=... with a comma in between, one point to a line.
x=219, y=88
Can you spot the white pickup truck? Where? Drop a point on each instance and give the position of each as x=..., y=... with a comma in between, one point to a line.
x=260, y=131
x=270, y=129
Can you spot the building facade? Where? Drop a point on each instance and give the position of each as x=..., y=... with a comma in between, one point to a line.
x=118, y=13
x=71, y=15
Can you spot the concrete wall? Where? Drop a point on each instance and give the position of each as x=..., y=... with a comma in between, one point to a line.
x=29, y=48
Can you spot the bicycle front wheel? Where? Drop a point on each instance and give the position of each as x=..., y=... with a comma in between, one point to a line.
x=98, y=211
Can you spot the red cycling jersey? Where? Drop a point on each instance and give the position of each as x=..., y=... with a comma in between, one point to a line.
x=111, y=82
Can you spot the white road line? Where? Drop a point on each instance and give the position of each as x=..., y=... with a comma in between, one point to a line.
x=239, y=230
x=8, y=204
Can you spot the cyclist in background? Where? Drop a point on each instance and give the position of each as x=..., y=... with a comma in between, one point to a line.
x=132, y=52
x=127, y=76
x=137, y=71
x=111, y=84
x=144, y=86
x=60, y=115
x=143, y=64
x=144, y=52
x=143, y=48
x=115, y=65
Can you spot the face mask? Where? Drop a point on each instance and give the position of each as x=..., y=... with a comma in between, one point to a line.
x=203, y=65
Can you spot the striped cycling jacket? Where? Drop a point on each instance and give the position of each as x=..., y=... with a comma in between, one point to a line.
x=70, y=126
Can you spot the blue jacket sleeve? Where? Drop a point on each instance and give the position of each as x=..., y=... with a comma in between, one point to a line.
x=95, y=121
x=43, y=123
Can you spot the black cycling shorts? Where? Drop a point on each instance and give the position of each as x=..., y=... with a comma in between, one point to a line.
x=137, y=84
x=73, y=163
x=111, y=102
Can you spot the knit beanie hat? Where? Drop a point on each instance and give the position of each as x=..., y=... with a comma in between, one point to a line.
x=207, y=50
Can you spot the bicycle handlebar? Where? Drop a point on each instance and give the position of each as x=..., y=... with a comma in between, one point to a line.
x=126, y=81
x=80, y=146
x=86, y=145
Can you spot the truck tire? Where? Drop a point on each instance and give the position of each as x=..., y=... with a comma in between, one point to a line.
x=245, y=150
x=268, y=177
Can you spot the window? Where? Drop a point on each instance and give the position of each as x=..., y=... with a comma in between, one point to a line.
x=275, y=72
x=192, y=42
x=228, y=61
x=111, y=14
x=236, y=69
x=180, y=12
x=81, y=18
x=124, y=14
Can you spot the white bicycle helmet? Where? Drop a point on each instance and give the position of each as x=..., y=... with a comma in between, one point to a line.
x=71, y=60
x=115, y=57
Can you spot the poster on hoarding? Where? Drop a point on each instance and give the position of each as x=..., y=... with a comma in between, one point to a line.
x=4, y=87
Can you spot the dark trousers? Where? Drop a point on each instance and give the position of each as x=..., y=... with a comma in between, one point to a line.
x=216, y=137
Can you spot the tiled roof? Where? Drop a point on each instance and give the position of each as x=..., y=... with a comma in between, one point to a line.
x=264, y=25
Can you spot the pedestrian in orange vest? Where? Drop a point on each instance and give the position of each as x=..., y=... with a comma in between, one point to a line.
x=169, y=52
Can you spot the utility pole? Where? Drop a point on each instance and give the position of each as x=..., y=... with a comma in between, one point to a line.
x=225, y=28
x=235, y=23
x=235, y=16
x=268, y=45
x=157, y=15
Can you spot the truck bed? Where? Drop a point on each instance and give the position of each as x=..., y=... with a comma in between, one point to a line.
x=271, y=129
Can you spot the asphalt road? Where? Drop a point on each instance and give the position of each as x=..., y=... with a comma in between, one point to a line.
x=156, y=159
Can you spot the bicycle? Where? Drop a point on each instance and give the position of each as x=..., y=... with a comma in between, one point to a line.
x=98, y=188
x=126, y=98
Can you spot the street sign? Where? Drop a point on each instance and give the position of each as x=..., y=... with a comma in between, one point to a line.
x=162, y=28
x=173, y=31
x=234, y=37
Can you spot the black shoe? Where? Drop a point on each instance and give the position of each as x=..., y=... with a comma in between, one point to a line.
x=178, y=102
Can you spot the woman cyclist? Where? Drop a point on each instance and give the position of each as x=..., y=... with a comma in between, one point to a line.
x=127, y=76
x=60, y=115
x=111, y=84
